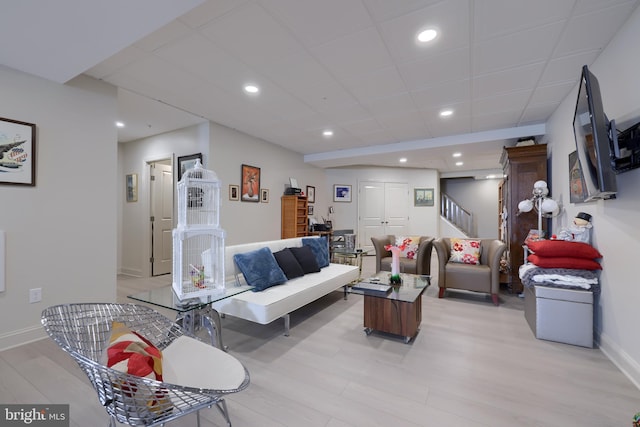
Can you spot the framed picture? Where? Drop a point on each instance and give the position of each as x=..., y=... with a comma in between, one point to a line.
x=17, y=152
x=131, y=184
x=341, y=193
x=423, y=196
x=187, y=162
x=577, y=187
x=264, y=195
x=250, y=184
x=234, y=192
x=311, y=194
x=309, y=210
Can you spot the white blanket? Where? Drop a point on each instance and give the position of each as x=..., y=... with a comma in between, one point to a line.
x=560, y=277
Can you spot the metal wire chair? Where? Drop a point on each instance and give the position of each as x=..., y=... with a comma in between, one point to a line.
x=83, y=331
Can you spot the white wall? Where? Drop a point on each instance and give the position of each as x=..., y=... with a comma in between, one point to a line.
x=615, y=230
x=135, y=238
x=246, y=221
x=61, y=234
x=423, y=220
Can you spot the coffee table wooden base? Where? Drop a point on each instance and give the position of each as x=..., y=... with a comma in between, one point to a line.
x=392, y=316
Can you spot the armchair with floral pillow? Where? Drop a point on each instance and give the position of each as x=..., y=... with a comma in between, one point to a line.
x=415, y=257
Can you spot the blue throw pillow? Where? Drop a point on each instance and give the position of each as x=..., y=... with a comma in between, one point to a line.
x=260, y=269
x=320, y=249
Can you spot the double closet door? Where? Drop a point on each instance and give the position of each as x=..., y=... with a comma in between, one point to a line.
x=383, y=208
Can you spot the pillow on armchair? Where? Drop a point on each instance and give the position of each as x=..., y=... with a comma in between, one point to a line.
x=408, y=246
x=465, y=251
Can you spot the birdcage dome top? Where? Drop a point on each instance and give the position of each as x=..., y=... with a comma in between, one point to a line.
x=199, y=173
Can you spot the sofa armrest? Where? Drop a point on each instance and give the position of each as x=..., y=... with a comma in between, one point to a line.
x=378, y=244
x=423, y=262
x=496, y=249
x=443, y=251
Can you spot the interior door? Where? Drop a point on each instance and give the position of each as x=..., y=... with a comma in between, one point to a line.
x=161, y=218
x=383, y=208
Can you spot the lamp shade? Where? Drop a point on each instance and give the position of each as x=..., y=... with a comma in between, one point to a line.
x=549, y=206
x=525, y=206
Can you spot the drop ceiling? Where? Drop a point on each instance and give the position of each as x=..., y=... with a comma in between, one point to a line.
x=352, y=66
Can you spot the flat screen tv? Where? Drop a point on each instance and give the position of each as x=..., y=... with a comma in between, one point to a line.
x=595, y=138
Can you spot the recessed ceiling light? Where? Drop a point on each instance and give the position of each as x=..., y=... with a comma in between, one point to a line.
x=457, y=154
x=119, y=124
x=327, y=133
x=251, y=88
x=446, y=113
x=403, y=160
x=491, y=176
x=427, y=35
x=459, y=163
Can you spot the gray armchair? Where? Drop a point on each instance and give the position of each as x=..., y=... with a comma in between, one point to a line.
x=420, y=265
x=484, y=277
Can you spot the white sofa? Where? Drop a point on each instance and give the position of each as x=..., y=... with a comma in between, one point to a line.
x=278, y=301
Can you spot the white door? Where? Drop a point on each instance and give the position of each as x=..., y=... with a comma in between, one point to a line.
x=383, y=208
x=161, y=218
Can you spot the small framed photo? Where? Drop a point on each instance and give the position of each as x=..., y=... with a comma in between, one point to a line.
x=264, y=195
x=234, y=192
x=131, y=183
x=309, y=210
x=423, y=196
x=311, y=194
x=187, y=162
x=17, y=152
x=341, y=193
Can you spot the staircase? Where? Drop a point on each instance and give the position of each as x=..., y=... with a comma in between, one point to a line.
x=456, y=215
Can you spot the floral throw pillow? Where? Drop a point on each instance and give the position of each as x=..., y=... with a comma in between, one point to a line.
x=465, y=251
x=408, y=246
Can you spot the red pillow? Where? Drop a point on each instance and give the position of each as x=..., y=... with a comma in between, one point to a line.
x=563, y=248
x=564, y=262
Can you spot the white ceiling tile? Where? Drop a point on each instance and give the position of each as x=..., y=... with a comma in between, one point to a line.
x=353, y=54
x=525, y=47
x=318, y=22
x=552, y=93
x=504, y=119
x=512, y=102
x=435, y=69
x=325, y=97
x=567, y=67
x=383, y=10
x=375, y=84
x=444, y=95
x=116, y=62
x=400, y=102
x=537, y=113
x=602, y=27
x=251, y=34
x=495, y=18
x=515, y=79
x=586, y=6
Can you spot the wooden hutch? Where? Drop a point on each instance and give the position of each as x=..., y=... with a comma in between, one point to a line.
x=522, y=167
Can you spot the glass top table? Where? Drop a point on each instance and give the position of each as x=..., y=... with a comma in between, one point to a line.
x=193, y=313
x=411, y=288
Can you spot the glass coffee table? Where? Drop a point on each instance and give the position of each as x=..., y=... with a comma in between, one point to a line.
x=397, y=311
x=193, y=313
x=352, y=256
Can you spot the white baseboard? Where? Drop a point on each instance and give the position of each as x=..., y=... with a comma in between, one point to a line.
x=21, y=337
x=629, y=367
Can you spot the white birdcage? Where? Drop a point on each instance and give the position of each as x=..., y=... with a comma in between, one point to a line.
x=198, y=241
x=199, y=198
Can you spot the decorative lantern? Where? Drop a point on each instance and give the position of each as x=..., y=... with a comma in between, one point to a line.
x=198, y=240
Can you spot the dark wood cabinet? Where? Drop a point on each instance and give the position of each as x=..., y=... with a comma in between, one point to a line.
x=522, y=167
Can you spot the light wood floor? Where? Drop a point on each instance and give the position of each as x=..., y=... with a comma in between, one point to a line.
x=472, y=364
